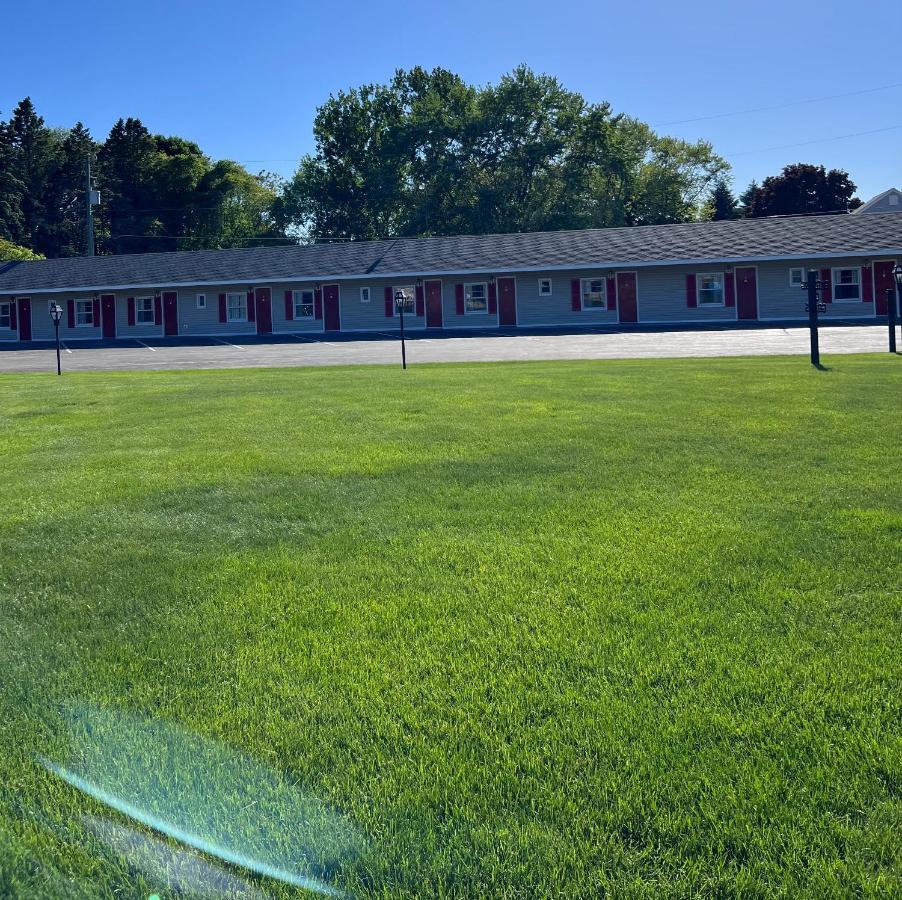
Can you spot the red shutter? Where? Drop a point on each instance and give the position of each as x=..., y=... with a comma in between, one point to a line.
x=459, y=299
x=612, y=294
x=289, y=305
x=389, y=303
x=222, y=307
x=691, y=295
x=493, y=298
x=421, y=306
x=70, y=313
x=867, y=284
x=729, y=288
x=157, y=310
x=95, y=304
x=827, y=292
x=13, y=317
x=317, y=303
x=575, y=298
x=251, y=305
x=131, y=310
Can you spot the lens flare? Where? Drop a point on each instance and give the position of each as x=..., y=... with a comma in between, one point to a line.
x=207, y=796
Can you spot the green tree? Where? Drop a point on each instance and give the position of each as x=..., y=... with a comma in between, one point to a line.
x=428, y=154
x=33, y=156
x=721, y=204
x=10, y=251
x=803, y=189
x=64, y=198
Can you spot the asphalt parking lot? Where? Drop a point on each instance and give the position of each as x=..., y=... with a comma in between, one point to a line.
x=441, y=346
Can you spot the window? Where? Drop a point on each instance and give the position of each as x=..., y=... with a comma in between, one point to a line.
x=476, y=299
x=846, y=284
x=893, y=200
x=364, y=295
x=4, y=315
x=796, y=277
x=303, y=304
x=84, y=313
x=710, y=289
x=409, y=292
x=236, y=306
x=144, y=310
x=201, y=301
x=544, y=287
x=593, y=293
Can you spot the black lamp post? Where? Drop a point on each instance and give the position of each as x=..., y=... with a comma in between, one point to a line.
x=402, y=302
x=891, y=297
x=56, y=313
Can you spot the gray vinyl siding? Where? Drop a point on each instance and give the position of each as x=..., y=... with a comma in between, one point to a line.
x=10, y=334
x=662, y=296
x=777, y=299
x=357, y=316
x=534, y=309
x=283, y=325
x=42, y=324
x=206, y=321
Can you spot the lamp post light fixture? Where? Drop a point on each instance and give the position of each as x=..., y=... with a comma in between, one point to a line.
x=56, y=313
x=892, y=299
x=402, y=303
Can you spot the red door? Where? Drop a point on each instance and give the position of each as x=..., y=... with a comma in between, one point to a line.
x=507, y=301
x=24, y=312
x=747, y=292
x=434, y=318
x=883, y=279
x=626, y=297
x=331, y=310
x=263, y=304
x=108, y=315
x=170, y=313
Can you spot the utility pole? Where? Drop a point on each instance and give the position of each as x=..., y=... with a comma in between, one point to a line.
x=90, y=196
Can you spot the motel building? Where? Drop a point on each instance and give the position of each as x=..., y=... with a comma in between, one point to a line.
x=711, y=272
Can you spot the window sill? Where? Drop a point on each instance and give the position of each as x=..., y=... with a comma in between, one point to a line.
x=235, y=322
x=853, y=300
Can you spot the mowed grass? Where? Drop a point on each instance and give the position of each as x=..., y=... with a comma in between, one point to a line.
x=536, y=630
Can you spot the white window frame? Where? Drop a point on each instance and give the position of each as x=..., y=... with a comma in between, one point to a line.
x=201, y=301
x=410, y=292
x=144, y=312
x=229, y=316
x=802, y=281
x=699, y=290
x=90, y=307
x=468, y=297
x=585, y=288
x=834, y=282
x=542, y=283
x=6, y=316
x=298, y=303
x=365, y=295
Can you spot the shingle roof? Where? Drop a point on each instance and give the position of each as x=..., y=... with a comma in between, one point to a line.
x=800, y=237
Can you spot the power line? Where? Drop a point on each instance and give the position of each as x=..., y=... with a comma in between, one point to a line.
x=756, y=109
x=824, y=140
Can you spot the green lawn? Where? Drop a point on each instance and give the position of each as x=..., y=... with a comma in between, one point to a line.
x=536, y=630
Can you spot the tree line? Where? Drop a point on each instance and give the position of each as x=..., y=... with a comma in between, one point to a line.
x=426, y=154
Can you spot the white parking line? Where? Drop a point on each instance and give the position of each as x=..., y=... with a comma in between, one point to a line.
x=63, y=345
x=228, y=344
x=152, y=350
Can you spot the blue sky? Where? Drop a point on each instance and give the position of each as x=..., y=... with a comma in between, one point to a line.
x=244, y=80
